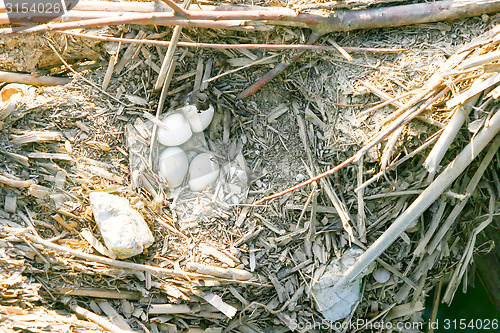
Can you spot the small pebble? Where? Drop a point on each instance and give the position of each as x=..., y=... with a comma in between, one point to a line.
x=381, y=275
x=300, y=177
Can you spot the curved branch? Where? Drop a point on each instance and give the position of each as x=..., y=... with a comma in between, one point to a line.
x=345, y=20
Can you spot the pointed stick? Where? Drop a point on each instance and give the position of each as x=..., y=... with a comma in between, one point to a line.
x=176, y=8
x=280, y=68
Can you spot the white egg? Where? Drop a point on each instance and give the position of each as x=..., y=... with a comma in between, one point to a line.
x=13, y=89
x=381, y=275
x=203, y=172
x=177, y=130
x=173, y=165
x=198, y=119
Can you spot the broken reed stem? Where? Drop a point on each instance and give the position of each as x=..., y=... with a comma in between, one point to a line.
x=462, y=111
x=238, y=46
x=161, y=102
x=361, y=204
x=164, y=79
x=16, y=183
x=81, y=76
x=429, y=141
x=167, y=61
x=402, y=120
x=423, y=201
x=95, y=318
x=446, y=225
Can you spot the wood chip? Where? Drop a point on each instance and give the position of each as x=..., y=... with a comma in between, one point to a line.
x=96, y=244
x=51, y=156
x=228, y=273
x=218, y=303
x=10, y=205
x=36, y=136
x=114, y=316
x=209, y=250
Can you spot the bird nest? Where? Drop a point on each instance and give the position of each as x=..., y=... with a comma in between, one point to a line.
x=385, y=147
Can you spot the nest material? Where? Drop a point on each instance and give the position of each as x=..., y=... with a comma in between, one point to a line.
x=261, y=261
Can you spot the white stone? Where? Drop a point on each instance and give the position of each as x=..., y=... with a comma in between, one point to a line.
x=381, y=275
x=203, y=172
x=177, y=130
x=173, y=165
x=335, y=305
x=123, y=229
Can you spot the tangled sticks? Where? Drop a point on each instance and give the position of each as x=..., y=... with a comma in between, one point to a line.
x=88, y=14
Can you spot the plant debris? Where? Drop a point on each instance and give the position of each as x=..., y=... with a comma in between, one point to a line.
x=392, y=155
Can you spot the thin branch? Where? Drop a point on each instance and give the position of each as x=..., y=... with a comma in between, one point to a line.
x=307, y=182
x=176, y=8
x=236, y=46
x=336, y=21
x=81, y=76
x=103, y=260
x=277, y=70
x=167, y=62
x=33, y=80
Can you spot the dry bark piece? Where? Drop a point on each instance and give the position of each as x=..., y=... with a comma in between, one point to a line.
x=16, y=183
x=218, y=303
x=51, y=156
x=228, y=273
x=169, y=309
x=36, y=136
x=89, y=237
x=114, y=316
x=10, y=205
x=99, y=293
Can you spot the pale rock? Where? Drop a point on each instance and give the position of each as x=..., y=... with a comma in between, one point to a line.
x=381, y=275
x=123, y=229
x=338, y=304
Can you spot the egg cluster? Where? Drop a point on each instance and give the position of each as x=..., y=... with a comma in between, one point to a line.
x=174, y=162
